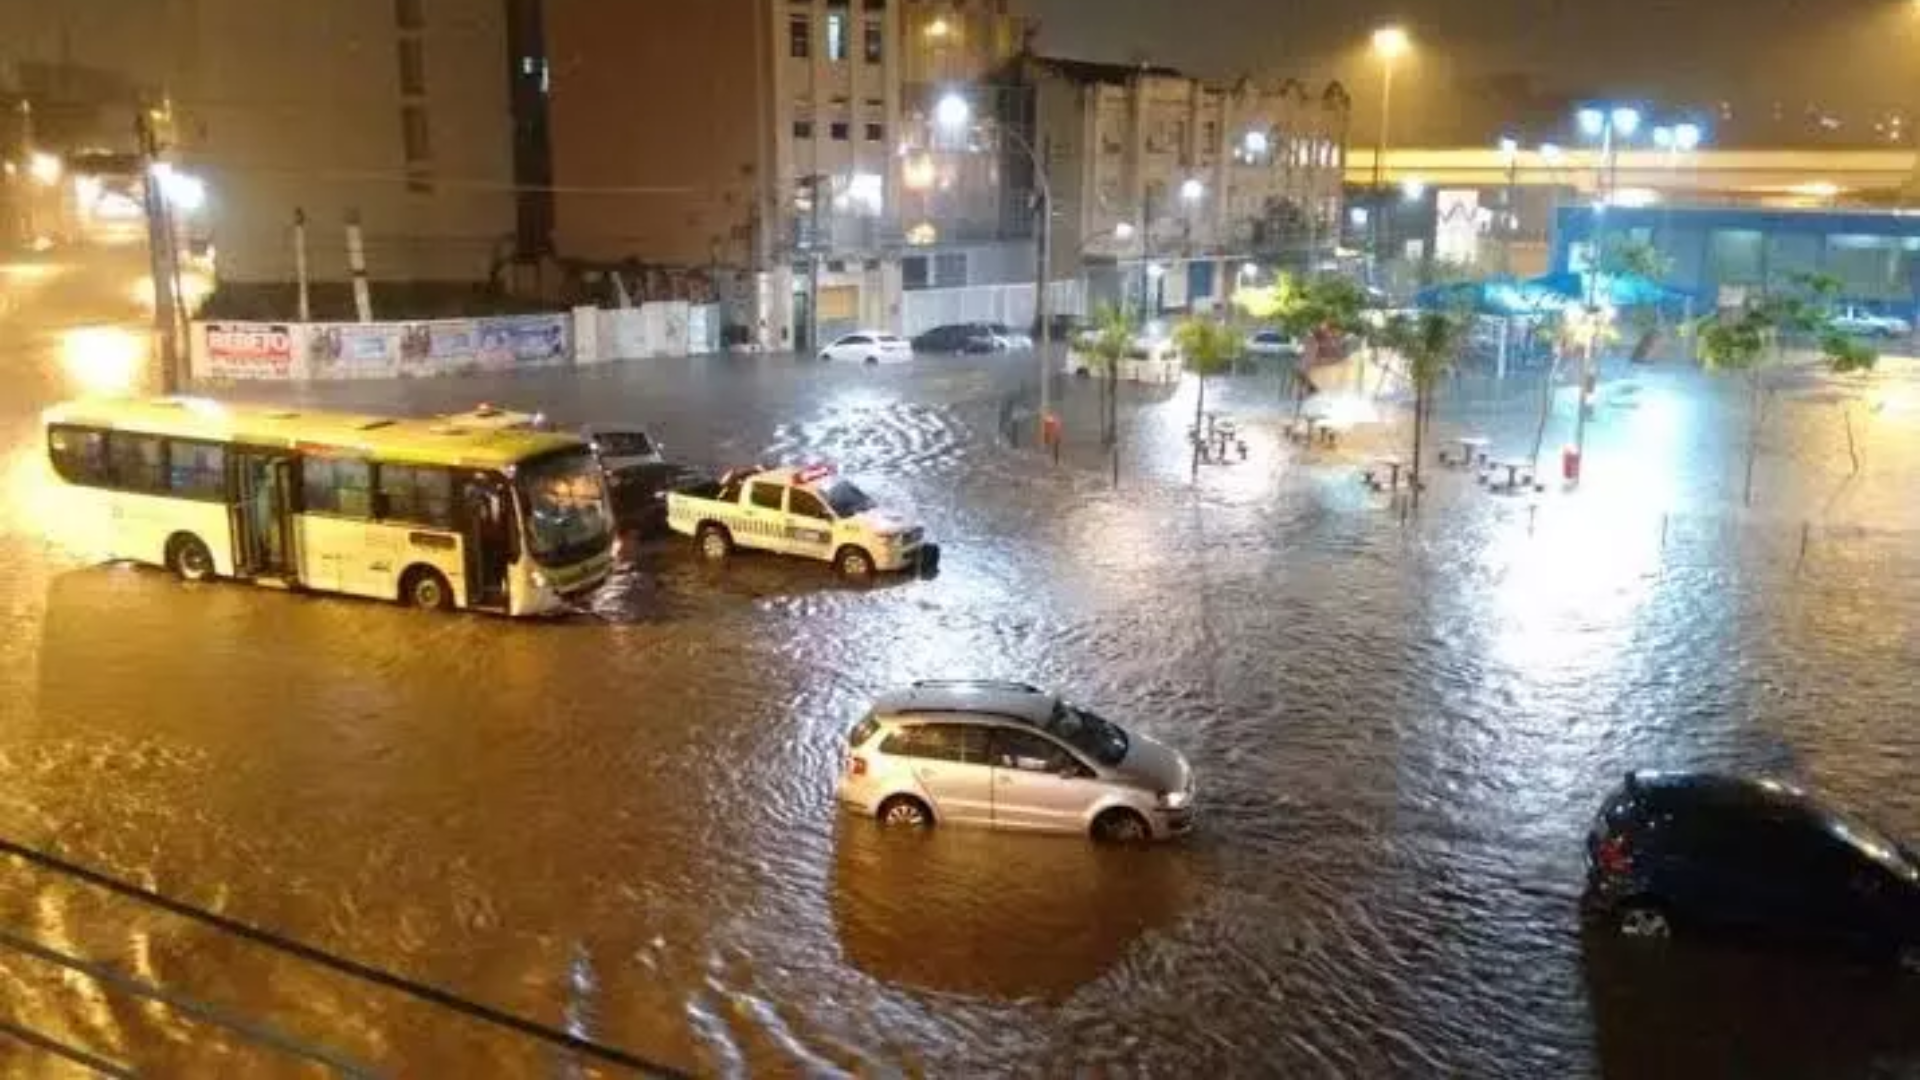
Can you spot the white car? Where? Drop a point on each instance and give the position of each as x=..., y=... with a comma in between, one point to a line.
x=1271, y=343
x=809, y=512
x=869, y=347
x=622, y=446
x=1860, y=322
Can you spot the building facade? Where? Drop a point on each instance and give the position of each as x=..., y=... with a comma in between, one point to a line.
x=768, y=143
x=1723, y=255
x=394, y=112
x=1152, y=169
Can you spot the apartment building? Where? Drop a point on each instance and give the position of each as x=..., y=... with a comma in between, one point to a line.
x=392, y=111
x=763, y=142
x=1151, y=168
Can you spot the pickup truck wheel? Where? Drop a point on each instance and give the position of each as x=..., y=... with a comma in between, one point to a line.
x=715, y=543
x=854, y=564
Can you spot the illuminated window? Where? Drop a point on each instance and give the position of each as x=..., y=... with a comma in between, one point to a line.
x=799, y=37
x=875, y=39
x=836, y=36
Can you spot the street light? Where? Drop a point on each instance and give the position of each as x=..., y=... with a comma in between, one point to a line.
x=45, y=168
x=1192, y=189
x=1123, y=231
x=1413, y=189
x=1610, y=125
x=1390, y=43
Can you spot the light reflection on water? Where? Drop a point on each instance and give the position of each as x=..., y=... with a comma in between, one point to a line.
x=624, y=820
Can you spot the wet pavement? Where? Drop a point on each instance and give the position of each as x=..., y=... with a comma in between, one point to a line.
x=622, y=821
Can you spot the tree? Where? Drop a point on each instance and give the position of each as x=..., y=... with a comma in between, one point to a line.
x=1320, y=314
x=1845, y=356
x=1626, y=255
x=1751, y=339
x=1108, y=341
x=1207, y=347
x=1429, y=344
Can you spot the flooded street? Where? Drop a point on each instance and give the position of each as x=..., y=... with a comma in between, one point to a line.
x=622, y=822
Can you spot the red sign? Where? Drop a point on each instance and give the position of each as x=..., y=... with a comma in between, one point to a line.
x=249, y=350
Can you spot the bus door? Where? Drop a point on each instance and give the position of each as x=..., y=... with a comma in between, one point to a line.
x=263, y=515
x=486, y=524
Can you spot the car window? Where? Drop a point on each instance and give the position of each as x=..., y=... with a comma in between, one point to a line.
x=1029, y=752
x=863, y=731
x=624, y=443
x=963, y=743
x=766, y=496
x=1090, y=734
x=854, y=339
x=806, y=504
x=846, y=499
x=888, y=339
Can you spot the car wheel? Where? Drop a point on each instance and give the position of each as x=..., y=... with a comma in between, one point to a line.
x=426, y=590
x=854, y=564
x=189, y=557
x=826, y=357
x=715, y=543
x=1643, y=921
x=1121, y=827
x=905, y=812
x=872, y=360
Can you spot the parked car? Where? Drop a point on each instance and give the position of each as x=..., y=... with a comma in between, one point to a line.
x=965, y=338
x=869, y=347
x=622, y=446
x=1272, y=343
x=1011, y=756
x=811, y=512
x=1676, y=853
x=1859, y=322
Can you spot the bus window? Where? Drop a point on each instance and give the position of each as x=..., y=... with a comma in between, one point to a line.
x=341, y=486
x=79, y=455
x=420, y=494
x=136, y=462
x=197, y=470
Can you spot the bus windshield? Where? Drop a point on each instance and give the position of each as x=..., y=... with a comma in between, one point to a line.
x=566, y=507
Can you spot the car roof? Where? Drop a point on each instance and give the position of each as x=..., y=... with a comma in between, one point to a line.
x=1720, y=789
x=985, y=697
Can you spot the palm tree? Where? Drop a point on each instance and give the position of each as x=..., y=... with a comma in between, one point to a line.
x=1429, y=343
x=1207, y=347
x=1108, y=341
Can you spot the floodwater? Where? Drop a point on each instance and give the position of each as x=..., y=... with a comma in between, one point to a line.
x=622, y=823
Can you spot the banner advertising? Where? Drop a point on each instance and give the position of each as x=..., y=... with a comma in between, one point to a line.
x=249, y=351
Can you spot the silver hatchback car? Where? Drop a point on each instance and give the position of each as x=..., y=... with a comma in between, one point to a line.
x=1011, y=756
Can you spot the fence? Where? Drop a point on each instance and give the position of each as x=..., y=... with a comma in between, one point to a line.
x=293, y=351
x=923, y=309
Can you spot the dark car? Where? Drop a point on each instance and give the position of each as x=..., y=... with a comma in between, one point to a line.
x=1679, y=852
x=958, y=338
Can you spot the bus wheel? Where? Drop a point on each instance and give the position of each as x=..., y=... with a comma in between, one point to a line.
x=189, y=558
x=426, y=589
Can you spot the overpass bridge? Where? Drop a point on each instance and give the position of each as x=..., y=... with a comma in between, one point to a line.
x=1778, y=177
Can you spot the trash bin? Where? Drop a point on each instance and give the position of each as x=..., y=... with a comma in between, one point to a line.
x=1570, y=463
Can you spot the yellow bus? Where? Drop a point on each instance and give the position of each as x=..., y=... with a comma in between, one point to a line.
x=424, y=512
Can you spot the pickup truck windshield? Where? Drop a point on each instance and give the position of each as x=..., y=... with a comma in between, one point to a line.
x=845, y=499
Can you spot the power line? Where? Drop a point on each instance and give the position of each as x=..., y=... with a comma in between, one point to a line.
x=351, y=968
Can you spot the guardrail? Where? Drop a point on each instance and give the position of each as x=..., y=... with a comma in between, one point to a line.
x=253, y=1030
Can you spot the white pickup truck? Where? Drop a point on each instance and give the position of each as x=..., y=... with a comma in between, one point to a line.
x=811, y=512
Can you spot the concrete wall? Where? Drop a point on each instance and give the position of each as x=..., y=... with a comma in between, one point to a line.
x=289, y=104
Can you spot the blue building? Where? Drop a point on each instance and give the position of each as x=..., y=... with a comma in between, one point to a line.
x=1720, y=254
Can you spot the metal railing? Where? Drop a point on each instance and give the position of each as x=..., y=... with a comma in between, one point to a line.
x=250, y=1029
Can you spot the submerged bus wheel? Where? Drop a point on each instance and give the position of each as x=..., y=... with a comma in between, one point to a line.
x=426, y=589
x=189, y=558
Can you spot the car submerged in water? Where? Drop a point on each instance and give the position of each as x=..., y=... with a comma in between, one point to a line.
x=1007, y=755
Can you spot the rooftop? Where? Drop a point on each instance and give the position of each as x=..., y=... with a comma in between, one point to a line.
x=989, y=697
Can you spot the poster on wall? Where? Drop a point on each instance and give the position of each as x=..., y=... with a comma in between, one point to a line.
x=1457, y=227
x=353, y=351
x=525, y=341
x=249, y=351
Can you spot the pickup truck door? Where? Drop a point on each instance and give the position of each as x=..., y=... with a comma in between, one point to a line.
x=809, y=525
x=765, y=511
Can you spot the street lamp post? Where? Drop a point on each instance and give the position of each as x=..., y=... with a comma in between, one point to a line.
x=1610, y=126
x=1510, y=150
x=953, y=111
x=1389, y=44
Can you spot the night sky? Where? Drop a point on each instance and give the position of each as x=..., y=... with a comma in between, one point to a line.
x=1847, y=56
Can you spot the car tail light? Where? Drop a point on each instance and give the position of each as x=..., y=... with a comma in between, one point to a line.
x=856, y=766
x=1613, y=856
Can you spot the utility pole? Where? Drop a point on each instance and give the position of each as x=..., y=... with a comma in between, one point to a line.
x=813, y=184
x=357, y=268
x=1044, y=243
x=162, y=260
x=300, y=263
